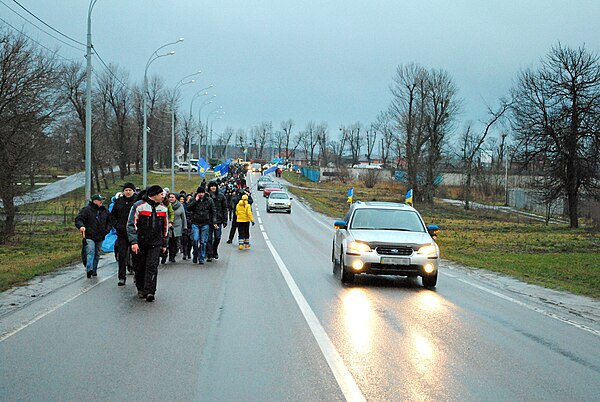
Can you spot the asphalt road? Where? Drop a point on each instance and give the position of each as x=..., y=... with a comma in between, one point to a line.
x=273, y=323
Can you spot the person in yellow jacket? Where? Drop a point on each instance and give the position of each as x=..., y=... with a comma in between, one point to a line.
x=243, y=211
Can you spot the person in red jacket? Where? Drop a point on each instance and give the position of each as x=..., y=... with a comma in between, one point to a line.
x=147, y=229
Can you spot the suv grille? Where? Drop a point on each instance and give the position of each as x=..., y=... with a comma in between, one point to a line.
x=394, y=250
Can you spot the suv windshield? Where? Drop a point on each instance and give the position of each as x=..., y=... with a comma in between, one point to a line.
x=386, y=219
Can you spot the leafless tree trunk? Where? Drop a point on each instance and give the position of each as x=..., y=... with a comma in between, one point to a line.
x=117, y=95
x=471, y=146
x=408, y=107
x=286, y=127
x=29, y=99
x=557, y=120
x=383, y=125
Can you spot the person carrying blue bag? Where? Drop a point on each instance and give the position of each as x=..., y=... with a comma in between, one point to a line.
x=94, y=224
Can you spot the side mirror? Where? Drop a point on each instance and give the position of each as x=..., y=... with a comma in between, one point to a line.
x=433, y=230
x=340, y=225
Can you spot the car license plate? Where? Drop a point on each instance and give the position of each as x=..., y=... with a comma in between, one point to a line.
x=395, y=261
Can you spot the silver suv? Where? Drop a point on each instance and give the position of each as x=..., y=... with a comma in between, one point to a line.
x=385, y=238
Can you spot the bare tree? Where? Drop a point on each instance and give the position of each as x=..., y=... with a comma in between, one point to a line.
x=408, y=108
x=384, y=127
x=286, y=127
x=557, y=121
x=370, y=140
x=442, y=108
x=116, y=94
x=355, y=141
x=309, y=139
x=225, y=139
x=338, y=147
x=240, y=139
x=29, y=99
x=471, y=146
x=260, y=135
x=323, y=140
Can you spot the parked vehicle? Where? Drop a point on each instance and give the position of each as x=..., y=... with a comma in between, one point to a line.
x=385, y=238
x=185, y=166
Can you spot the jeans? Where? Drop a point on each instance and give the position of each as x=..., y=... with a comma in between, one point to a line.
x=214, y=238
x=92, y=250
x=199, y=239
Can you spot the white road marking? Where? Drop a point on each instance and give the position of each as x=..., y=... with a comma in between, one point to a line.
x=341, y=373
x=53, y=309
x=527, y=306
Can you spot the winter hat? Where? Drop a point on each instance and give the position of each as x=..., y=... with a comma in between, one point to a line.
x=97, y=197
x=212, y=183
x=154, y=190
x=201, y=189
x=129, y=185
x=245, y=197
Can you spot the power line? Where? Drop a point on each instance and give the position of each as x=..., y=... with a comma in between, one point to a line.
x=47, y=33
x=108, y=69
x=35, y=41
x=55, y=30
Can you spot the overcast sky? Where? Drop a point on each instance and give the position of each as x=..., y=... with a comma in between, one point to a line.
x=332, y=61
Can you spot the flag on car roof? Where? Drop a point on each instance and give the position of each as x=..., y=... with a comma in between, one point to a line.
x=350, y=195
x=202, y=167
x=409, y=197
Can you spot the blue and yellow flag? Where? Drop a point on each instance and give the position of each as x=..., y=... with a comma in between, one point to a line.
x=350, y=195
x=202, y=167
x=409, y=197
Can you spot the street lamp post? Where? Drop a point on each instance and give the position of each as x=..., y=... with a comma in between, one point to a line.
x=88, y=105
x=206, y=102
x=217, y=110
x=179, y=85
x=152, y=58
x=211, y=129
x=201, y=92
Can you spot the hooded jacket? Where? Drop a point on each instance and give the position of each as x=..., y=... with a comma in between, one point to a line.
x=243, y=210
x=95, y=220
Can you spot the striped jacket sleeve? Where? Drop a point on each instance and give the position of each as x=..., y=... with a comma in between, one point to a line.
x=132, y=222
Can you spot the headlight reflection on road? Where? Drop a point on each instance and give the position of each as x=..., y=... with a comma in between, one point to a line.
x=429, y=301
x=358, y=316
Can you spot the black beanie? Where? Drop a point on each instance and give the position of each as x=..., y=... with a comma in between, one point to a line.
x=129, y=185
x=154, y=190
x=201, y=189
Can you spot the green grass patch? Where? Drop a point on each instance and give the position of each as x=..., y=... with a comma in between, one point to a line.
x=553, y=256
x=48, y=247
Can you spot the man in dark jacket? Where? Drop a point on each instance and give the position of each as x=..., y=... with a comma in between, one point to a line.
x=118, y=219
x=147, y=229
x=93, y=223
x=214, y=233
x=203, y=213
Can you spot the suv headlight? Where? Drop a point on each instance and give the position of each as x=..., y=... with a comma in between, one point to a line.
x=358, y=247
x=429, y=250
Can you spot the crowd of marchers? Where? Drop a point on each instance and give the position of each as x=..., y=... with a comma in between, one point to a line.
x=155, y=224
